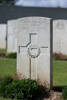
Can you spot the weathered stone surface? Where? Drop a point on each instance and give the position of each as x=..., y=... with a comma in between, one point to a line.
x=3, y=36
x=11, y=37
x=60, y=36
x=33, y=57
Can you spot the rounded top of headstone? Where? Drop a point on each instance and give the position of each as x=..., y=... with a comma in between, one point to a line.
x=28, y=25
x=33, y=18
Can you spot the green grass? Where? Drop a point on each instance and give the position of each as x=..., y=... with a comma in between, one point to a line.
x=5, y=99
x=60, y=73
x=7, y=66
x=2, y=50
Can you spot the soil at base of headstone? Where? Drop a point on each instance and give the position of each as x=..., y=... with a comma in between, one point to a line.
x=55, y=96
x=3, y=55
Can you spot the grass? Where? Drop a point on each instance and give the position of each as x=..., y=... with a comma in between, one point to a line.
x=59, y=73
x=5, y=99
x=7, y=66
x=2, y=50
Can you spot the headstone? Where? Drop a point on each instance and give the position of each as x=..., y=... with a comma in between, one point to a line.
x=60, y=36
x=11, y=38
x=3, y=31
x=33, y=57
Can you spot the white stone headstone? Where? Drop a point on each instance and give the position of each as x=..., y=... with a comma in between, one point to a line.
x=33, y=57
x=3, y=31
x=11, y=37
x=60, y=36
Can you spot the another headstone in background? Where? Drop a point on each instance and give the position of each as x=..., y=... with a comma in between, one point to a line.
x=34, y=48
x=11, y=37
x=60, y=36
x=3, y=36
